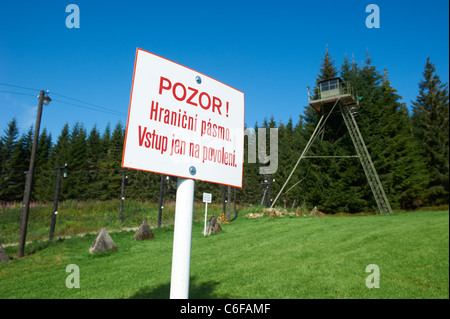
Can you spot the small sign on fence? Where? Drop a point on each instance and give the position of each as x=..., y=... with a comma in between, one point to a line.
x=207, y=198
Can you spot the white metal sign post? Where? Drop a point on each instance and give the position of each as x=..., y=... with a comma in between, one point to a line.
x=206, y=199
x=181, y=255
x=185, y=124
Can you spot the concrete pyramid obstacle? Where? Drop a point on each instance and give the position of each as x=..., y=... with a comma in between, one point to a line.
x=144, y=232
x=212, y=226
x=103, y=242
x=3, y=256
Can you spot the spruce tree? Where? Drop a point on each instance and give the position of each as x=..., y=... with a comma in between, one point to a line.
x=106, y=138
x=113, y=160
x=286, y=161
x=94, y=149
x=77, y=177
x=94, y=156
x=327, y=68
x=366, y=81
x=17, y=166
x=60, y=155
x=403, y=172
x=44, y=177
x=252, y=189
x=60, y=151
x=7, y=146
x=301, y=174
x=7, y=141
x=431, y=128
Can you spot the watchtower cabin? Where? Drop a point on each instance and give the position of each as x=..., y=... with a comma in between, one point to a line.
x=330, y=91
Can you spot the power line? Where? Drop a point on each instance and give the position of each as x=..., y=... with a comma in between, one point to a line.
x=113, y=112
x=88, y=103
x=93, y=107
x=21, y=93
x=19, y=87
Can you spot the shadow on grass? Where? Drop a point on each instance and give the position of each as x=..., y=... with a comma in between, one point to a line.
x=203, y=290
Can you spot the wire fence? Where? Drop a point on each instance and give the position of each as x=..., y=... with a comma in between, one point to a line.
x=91, y=199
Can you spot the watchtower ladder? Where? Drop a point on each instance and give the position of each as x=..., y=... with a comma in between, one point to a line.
x=366, y=161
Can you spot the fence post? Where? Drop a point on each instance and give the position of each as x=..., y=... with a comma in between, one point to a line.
x=223, y=199
x=234, y=202
x=122, y=191
x=161, y=195
x=229, y=204
x=55, y=201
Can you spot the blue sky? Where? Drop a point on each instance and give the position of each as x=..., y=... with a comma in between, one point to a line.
x=270, y=50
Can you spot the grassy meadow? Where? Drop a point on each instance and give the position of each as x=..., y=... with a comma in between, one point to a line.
x=282, y=257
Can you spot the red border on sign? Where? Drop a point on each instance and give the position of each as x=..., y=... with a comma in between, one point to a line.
x=129, y=108
x=128, y=119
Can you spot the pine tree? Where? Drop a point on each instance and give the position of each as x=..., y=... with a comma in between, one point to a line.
x=431, y=128
x=286, y=161
x=106, y=137
x=94, y=157
x=94, y=149
x=77, y=177
x=7, y=146
x=367, y=82
x=404, y=173
x=113, y=160
x=60, y=152
x=7, y=142
x=44, y=177
x=301, y=175
x=17, y=166
x=43, y=149
x=252, y=191
x=327, y=68
x=59, y=156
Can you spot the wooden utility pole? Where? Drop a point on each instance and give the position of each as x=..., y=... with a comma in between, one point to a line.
x=161, y=197
x=55, y=201
x=29, y=180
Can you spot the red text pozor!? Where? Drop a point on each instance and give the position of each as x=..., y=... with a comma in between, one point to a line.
x=193, y=97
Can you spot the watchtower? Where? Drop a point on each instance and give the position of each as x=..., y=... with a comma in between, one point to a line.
x=334, y=95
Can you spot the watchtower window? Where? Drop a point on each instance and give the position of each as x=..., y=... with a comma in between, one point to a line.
x=329, y=85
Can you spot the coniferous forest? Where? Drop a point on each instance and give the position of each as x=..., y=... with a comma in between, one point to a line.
x=409, y=148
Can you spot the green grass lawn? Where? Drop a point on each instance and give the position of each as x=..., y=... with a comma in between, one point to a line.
x=288, y=257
